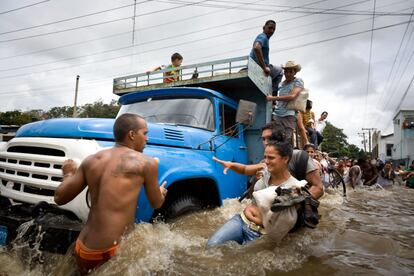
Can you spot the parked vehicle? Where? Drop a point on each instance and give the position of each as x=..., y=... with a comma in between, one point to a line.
x=189, y=122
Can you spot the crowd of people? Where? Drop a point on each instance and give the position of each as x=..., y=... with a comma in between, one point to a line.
x=293, y=205
x=375, y=172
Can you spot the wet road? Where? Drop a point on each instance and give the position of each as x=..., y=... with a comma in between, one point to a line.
x=370, y=233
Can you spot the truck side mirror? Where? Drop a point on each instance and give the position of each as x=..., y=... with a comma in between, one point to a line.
x=246, y=113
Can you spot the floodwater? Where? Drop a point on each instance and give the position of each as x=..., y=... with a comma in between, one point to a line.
x=369, y=233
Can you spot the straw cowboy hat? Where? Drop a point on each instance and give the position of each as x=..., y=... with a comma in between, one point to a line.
x=292, y=64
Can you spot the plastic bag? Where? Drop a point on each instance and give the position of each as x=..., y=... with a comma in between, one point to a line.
x=299, y=103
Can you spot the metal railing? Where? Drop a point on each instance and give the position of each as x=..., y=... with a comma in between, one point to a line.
x=188, y=72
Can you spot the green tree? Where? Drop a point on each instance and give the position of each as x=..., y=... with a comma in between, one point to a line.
x=334, y=141
x=99, y=109
x=15, y=117
x=355, y=152
x=60, y=112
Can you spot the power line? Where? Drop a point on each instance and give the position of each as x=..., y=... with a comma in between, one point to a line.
x=96, y=24
x=393, y=65
x=119, y=34
x=315, y=10
x=393, y=84
x=321, y=11
x=405, y=68
x=117, y=57
x=24, y=7
x=156, y=40
x=70, y=19
x=166, y=38
x=405, y=94
x=347, y=12
x=279, y=50
x=369, y=64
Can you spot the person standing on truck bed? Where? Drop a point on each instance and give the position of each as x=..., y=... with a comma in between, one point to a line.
x=173, y=75
x=114, y=178
x=288, y=91
x=260, y=54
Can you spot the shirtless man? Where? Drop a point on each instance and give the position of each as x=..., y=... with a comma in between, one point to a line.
x=114, y=178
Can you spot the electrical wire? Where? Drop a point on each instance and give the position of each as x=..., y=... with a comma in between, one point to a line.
x=23, y=7
x=369, y=63
x=157, y=40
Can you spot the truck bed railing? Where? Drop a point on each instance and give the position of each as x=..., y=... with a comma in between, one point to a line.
x=203, y=70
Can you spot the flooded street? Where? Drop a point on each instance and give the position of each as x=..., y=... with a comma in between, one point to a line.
x=371, y=233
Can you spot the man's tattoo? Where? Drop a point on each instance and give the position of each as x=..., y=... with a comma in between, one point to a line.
x=131, y=164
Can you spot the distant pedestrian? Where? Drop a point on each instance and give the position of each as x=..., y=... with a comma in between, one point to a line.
x=260, y=54
x=320, y=126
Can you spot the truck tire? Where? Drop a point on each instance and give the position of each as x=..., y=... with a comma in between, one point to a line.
x=184, y=204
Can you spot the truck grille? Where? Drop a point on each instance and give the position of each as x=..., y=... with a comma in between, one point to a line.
x=33, y=170
x=173, y=134
x=36, y=150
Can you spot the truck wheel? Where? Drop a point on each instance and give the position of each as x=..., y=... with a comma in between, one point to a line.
x=182, y=205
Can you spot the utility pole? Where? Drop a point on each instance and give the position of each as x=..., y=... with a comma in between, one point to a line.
x=369, y=136
x=133, y=36
x=76, y=97
x=133, y=24
x=364, y=141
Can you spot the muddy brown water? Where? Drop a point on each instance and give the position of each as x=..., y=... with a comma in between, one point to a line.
x=370, y=233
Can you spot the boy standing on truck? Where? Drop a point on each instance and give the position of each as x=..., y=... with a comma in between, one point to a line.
x=173, y=75
x=114, y=178
x=260, y=54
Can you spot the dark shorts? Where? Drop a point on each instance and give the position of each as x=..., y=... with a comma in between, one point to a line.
x=288, y=123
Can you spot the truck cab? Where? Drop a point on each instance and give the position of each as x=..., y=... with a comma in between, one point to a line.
x=189, y=122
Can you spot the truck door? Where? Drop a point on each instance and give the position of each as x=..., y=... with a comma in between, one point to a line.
x=230, y=146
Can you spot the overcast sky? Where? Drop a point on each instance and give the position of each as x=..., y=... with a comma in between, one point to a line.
x=45, y=44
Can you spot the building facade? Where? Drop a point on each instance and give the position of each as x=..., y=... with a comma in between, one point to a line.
x=403, y=149
x=383, y=146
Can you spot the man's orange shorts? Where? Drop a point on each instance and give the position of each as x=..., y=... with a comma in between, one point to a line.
x=87, y=259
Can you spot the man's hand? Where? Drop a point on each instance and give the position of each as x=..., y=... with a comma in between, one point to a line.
x=266, y=71
x=69, y=167
x=270, y=98
x=163, y=190
x=225, y=164
x=259, y=174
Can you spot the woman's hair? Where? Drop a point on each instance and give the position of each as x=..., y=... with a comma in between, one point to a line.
x=305, y=147
x=283, y=148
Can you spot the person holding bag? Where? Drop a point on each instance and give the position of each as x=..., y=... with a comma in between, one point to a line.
x=289, y=90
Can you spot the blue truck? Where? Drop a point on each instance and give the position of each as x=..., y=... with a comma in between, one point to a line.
x=189, y=122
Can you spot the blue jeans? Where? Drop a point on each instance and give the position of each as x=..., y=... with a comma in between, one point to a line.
x=233, y=230
x=313, y=137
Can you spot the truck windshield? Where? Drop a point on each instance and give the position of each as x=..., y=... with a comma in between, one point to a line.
x=183, y=111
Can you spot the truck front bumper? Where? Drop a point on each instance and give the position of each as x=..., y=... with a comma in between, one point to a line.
x=42, y=225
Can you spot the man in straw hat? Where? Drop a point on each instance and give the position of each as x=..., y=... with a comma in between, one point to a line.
x=260, y=54
x=288, y=91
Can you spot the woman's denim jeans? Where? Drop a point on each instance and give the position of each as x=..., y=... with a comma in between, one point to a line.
x=233, y=230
